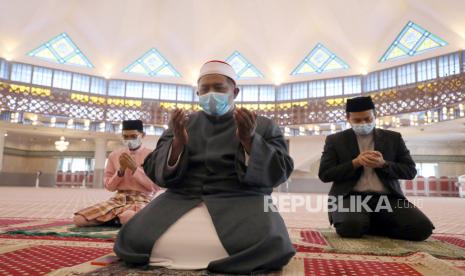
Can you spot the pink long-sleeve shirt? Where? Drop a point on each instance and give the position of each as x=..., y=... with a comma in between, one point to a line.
x=137, y=181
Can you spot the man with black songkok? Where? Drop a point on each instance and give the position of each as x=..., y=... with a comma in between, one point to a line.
x=125, y=176
x=365, y=164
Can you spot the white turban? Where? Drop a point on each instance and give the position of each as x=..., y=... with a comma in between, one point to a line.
x=217, y=67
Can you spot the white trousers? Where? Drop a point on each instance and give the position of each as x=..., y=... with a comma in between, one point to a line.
x=190, y=243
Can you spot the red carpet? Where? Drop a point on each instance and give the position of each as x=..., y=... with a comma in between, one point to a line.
x=41, y=259
x=49, y=244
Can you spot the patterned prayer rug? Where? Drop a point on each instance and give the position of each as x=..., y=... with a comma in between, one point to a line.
x=311, y=264
x=26, y=255
x=352, y=264
x=64, y=229
x=119, y=269
x=327, y=240
x=56, y=247
x=29, y=224
x=4, y=222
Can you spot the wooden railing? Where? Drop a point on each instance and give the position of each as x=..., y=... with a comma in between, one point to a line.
x=425, y=96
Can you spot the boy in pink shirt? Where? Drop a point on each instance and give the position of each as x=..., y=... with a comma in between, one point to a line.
x=125, y=175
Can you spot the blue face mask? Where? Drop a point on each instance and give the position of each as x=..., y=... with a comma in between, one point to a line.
x=215, y=103
x=363, y=129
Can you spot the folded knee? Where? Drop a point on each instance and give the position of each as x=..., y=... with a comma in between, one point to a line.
x=352, y=228
x=415, y=232
x=126, y=216
x=79, y=220
x=422, y=234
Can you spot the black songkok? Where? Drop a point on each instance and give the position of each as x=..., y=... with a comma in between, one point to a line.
x=133, y=125
x=359, y=104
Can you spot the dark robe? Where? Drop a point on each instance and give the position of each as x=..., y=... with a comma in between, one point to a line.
x=212, y=169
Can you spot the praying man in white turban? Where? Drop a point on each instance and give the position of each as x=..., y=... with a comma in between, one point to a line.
x=219, y=166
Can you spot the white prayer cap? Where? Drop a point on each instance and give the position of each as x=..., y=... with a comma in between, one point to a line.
x=217, y=67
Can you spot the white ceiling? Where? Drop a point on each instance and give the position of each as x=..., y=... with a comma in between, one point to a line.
x=275, y=35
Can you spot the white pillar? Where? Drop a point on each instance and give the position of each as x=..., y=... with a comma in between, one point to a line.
x=100, y=156
x=2, y=146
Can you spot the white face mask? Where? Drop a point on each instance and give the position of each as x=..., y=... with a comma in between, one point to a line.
x=133, y=143
x=363, y=129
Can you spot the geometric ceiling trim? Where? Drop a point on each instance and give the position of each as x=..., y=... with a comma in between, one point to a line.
x=61, y=49
x=412, y=40
x=243, y=68
x=319, y=60
x=152, y=64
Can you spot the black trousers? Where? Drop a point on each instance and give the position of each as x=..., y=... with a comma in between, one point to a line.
x=402, y=220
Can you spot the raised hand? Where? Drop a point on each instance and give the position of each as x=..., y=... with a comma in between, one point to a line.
x=178, y=126
x=246, y=122
x=373, y=159
x=127, y=161
x=370, y=159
